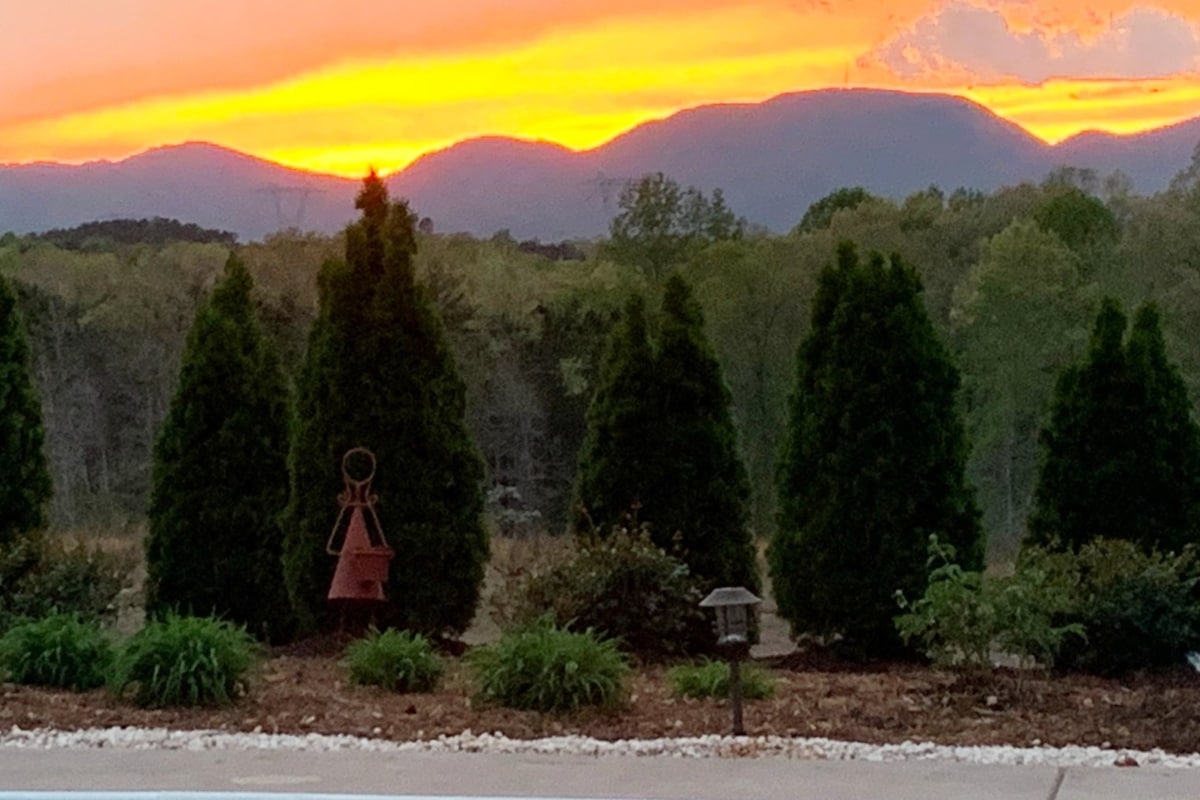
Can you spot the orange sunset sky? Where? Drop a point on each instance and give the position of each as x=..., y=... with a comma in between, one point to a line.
x=338, y=86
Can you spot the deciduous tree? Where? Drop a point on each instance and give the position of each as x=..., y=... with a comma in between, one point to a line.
x=659, y=223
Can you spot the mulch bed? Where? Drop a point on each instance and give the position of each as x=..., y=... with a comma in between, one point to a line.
x=303, y=689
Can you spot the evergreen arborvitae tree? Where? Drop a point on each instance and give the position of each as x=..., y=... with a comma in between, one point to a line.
x=702, y=500
x=873, y=462
x=1121, y=452
x=220, y=472
x=379, y=374
x=621, y=433
x=24, y=477
x=661, y=442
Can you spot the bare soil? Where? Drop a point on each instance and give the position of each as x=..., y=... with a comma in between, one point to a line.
x=303, y=689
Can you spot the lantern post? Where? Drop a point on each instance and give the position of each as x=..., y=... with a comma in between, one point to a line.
x=732, y=605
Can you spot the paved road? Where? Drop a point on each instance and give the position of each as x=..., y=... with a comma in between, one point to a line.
x=530, y=776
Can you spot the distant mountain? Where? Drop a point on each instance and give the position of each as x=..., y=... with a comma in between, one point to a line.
x=202, y=183
x=772, y=159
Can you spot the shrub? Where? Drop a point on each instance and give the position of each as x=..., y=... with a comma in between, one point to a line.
x=624, y=588
x=545, y=668
x=963, y=615
x=185, y=661
x=397, y=660
x=1140, y=610
x=953, y=624
x=711, y=679
x=40, y=577
x=1108, y=609
x=60, y=650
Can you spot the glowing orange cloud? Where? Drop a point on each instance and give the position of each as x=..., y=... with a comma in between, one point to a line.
x=379, y=84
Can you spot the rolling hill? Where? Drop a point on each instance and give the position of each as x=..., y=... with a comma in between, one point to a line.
x=772, y=160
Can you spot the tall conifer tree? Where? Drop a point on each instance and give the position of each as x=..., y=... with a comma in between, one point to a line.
x=24, y=478
x=220, y=472
x=378, y=373
x=621, y=434
x=703, y=501
x=660, y=438
x=873, y=462
x=1121, y=452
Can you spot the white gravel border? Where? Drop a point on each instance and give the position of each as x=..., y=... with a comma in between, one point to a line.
x=712, y=746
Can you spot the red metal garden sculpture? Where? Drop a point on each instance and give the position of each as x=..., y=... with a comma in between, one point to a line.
x=364, y=556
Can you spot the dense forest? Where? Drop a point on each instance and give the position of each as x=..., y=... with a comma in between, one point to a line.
x=1012, y=281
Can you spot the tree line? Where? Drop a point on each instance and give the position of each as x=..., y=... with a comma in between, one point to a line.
x=1005, y=286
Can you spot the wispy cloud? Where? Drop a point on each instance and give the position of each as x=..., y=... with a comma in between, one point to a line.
x=976, y=43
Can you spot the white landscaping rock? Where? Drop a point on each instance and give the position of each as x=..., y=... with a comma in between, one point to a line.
x=712, y=746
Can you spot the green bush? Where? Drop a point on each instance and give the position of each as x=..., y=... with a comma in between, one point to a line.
x=185, y=661
x=40, y=577
x=397, y=660
x=625, y=588
x=59, y=650
x=711, y=679
x=963, y=615
x=1140, y=609
x=545, y=668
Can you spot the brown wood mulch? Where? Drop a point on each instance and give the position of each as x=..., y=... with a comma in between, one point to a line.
x=304, y=689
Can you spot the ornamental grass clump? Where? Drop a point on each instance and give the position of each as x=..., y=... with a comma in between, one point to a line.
x=711, y=679
x=60, y=650
x=545, y=668
x=185, y=661
x=400, y=661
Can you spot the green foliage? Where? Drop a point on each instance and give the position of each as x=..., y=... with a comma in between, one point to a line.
x=60, y=650
x=820, y=214
x=661, y=440
x=1077, y=218
x=156, y=231
x=1140, y=610
x=1109, y=609
x=873, y=460
x=396, y=660
x=618, y=444
x=922, y=209
x=626, y=589
x=696, y=495
x=963, y=616
x=1121, y=452
x=378, y=373
x=40, y=577
x=561, y=364
x=953, y=622
x=24, y=478
x=659, y=224
x=711, y=679
x=185, y=661
x=545, y=668
x=220, y=473
x=1017, y=319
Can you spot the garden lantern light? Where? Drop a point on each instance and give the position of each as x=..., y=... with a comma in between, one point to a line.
x=733, y=604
